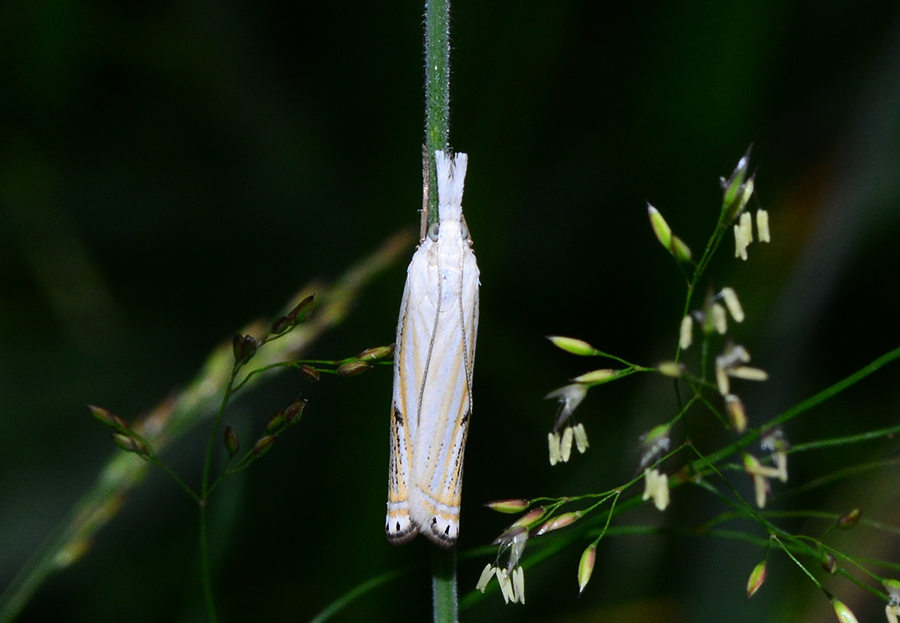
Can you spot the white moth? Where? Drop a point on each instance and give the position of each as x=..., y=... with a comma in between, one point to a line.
x=433, y=362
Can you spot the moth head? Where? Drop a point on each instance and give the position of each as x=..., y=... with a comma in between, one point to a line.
x=464, y=228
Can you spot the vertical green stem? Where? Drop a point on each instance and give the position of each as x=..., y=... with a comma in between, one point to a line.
x=437, y=91
x=437, y=122
x=205, y=566
x=443, y=585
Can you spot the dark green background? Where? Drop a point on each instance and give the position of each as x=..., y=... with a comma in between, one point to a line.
x=171, y=170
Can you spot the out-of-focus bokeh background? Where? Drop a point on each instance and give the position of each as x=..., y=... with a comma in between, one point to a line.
x=170, y=171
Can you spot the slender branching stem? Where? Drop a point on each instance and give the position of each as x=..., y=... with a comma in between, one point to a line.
x=205, y=567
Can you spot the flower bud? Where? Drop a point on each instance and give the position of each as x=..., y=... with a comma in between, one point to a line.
x=352, y=368
x=308, y=372
x=378, y=352
x=72, y=551
x=561, y=521
x=530, y=517
x=586, y=566
x=670, y=369
x=275, y=422
x=250, y=346
x=293, y=411
x=520, y=525
x=231, y=441
x=738, y=208
x=844, y=614
x=130, y=444
x=680, y=250
x=596, y=377
x=104, y=415
x=281, y=325
x=673, y=244
x=732, y=187
x=107, y=417
x=509, y=506
x=244, y=347
x=302, y=310
x=263, y=445
x=573, y=345
x=829, y=565
x=660, y=227
x=849, y=520
x=757, y=577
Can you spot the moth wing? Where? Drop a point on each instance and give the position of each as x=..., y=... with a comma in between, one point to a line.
x=446, y=404
x=398, y=525
x=404, y=415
